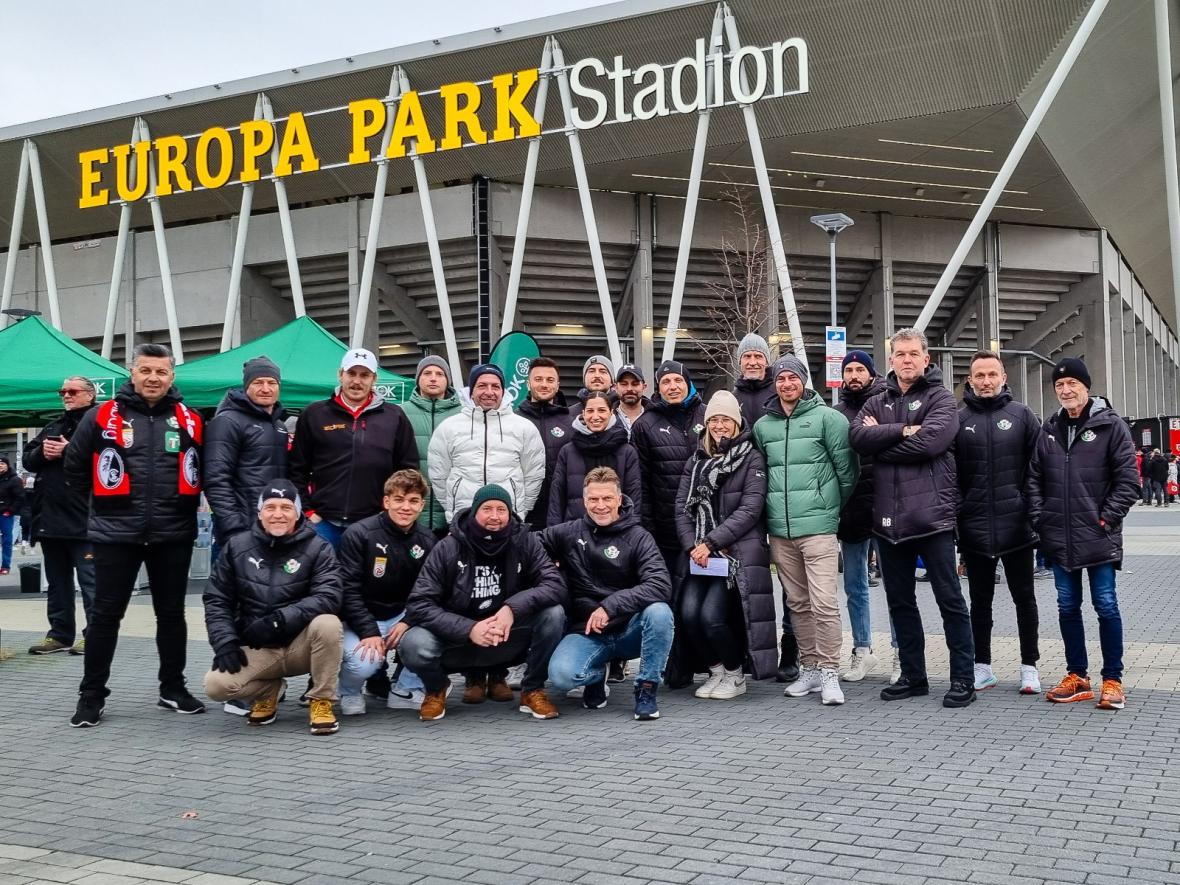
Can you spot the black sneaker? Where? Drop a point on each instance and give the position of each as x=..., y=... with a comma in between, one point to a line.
x=304, y=700
x=594, y=695
x=904, y=688
x=377, y=685
x=617, y=671
x=961, y=694
x=88, y=714
x=179, y=701
x=646, y=707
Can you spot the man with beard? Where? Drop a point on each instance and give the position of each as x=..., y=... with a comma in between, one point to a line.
x=631, y=390
x=547, y=410
x=754, y=387
x=598, y=376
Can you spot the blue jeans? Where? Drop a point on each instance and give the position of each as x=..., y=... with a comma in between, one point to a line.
x=7, y=533
x=856, y=588
x=354, y=669
x=582, y=660
x=330, y=532
x=1110, y=621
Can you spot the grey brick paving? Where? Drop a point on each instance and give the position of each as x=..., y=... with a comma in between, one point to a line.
x=764, y=789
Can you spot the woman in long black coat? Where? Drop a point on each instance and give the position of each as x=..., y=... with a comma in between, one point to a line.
x=599, y=440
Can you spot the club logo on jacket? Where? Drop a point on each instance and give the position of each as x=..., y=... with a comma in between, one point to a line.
x=192, y=467
x=291, y=566
x=379, y=566
x=697, y=428
x=256, y=561
x=110, y=469
x=1004, y=424
x=1089, y=436
x=611, y=552
x=557, y=431
x=915, y=405
x=417, y=552
x=128, y=435
x=172, y=422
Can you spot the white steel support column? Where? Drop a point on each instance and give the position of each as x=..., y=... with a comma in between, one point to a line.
x=436, y=265
x=43, y=233
x=1005, y=174
x=571, y=132
x=18, y=218
x=693, y=193
x=284, y=217
x=233, y=297
x=768, y=208
x=1163, y=54
x=108, y=327
x=526, y=191
x=364, y=293
x=162, y=253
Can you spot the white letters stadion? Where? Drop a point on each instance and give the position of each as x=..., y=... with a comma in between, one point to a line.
x=764, y=68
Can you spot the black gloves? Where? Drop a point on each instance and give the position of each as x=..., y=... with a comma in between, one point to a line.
x=268, y=631
x=229, y=658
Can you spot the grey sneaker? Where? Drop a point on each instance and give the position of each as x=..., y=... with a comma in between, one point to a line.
x=352, y=705
x=809, y=681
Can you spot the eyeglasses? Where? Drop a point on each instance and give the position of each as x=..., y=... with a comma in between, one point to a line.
x=70, y=391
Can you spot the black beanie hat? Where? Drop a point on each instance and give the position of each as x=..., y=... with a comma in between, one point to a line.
x=1072, y=367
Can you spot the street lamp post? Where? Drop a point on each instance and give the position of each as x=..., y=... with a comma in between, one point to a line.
x=833, y=224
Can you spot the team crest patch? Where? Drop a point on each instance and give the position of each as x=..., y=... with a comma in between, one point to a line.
x=110, y=469
x=128, y=435
x=1089, y=436
x=417, y=552
x=192, y=467
x=291, y=566
x=611, y=552
x=1004, y=424
x=557, y=431
x=915, y=405
x=697, y=428
x=379, y=567
x=172, y=422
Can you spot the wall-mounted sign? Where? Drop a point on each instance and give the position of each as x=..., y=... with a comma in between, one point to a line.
x=605, y=94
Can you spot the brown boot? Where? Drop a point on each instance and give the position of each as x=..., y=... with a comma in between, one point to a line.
x=434, y=706
x=476, y=691
x=537, y=704
x=498, y=690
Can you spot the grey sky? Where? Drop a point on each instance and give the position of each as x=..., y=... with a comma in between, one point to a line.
x=62, y=56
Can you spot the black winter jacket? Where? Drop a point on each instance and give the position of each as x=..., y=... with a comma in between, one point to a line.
x=340, y=463
x=609, y=448
x=1080, y=491
x=996, y=441
x=379, y=564
x=914, y=489
x=59, y=511
x=257, y=575
x=1157, y=468
x=155, y=512
x=12, y=493
x=752, y=396
x=856, y=519
x=553, y=421
x=665, y=436
x=245, y=448
x=442, y=594
x=616, y=566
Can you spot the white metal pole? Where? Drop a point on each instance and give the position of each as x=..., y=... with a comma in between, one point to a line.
x=162, y=254
x=370, y=263
x=18, y=218
x=285, y=218
x=526, y=194
x=233, y=297
x=604, y=300
x=768, y=209
x=43, y=233
x=684, y=252
x=1163, y=54
x=1005, y=174
x=108, y=327
x=436, y=265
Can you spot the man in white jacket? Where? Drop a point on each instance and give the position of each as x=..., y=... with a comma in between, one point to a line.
x=486, y=442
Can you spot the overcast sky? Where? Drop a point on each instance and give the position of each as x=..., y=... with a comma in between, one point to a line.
x=62, y=56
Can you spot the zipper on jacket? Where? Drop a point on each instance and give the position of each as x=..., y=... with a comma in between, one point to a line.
x=991, y=491
x=151, y=476
x=786, y=482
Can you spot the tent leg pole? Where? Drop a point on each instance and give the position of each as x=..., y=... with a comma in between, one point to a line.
x=18, y=217
x=43, y=228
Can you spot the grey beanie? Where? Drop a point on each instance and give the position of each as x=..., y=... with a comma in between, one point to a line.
x=433, y=361
x=790, y=363
x=259, y=367
x=598, y=359
x=753, y=341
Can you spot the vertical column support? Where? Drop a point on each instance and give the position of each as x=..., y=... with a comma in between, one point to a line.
x=162, y=253
x=987, y=316
x=768, y=208
x=641, y=296
x=1163, y=55
x=43, y=232
x=683, y=253
x=1130, y=357
x=18, y=218
x=284, y=216
x=526, y=191
x=883, y=321
x=108, y=328
x=571, y=133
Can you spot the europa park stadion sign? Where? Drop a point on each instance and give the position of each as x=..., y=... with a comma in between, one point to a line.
x=605, y=94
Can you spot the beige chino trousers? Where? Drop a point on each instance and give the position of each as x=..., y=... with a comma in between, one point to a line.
x=316, y=651
x=807, y=568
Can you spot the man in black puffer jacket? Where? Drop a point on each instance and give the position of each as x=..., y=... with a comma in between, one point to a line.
x=270, y=611
x=909, y=431
x=996, y=441
x=246, y=448
x=547, y=409
x=138, y=457
x=1081, y=483
x=619, y=597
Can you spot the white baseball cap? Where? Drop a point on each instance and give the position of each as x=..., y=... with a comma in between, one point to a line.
x=359, y=357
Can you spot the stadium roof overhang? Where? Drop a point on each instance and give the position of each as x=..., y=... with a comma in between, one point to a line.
x=912, y=107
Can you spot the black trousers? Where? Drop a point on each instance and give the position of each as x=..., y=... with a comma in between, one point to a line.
x=115, y=567
x=711, y=616
x=63, y=558
x=981, y=583
x=898, y=563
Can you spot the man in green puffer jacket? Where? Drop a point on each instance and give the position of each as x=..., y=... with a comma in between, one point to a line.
x=812, y=473
x=433, y=400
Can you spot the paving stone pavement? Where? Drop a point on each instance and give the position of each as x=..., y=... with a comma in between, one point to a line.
x=760, y=789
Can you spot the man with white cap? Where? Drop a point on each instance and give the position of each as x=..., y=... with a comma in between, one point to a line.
x=346, y=446
x=754, y=388
x=433, y=401
x=598, y=375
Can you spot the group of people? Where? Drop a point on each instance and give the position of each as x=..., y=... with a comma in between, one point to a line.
x=453, y=534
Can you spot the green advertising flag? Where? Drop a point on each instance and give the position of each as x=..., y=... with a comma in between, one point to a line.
x=512, y=355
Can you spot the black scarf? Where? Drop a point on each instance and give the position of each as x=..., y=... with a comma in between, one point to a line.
x=600, y=449
x=705, y=480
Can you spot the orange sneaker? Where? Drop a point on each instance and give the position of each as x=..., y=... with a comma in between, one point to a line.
x=434, y=705
x=537, y=704
x=1070, y=689
x=1112, y=697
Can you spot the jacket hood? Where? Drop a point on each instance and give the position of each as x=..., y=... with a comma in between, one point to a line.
x=659, y=404
x=472, y=410
x=580, y=426
x=810, y=400
x=235, y=400
x=753, y=385
x=978, y=403
x=932, y=377
x=1101, y=412
x=303, y=532
x=126, y=394
x=376, y=401
x=423, y=401
x=555, y=406
x=628, y=519
x=857, y=398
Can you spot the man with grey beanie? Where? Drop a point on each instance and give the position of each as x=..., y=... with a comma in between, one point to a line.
x=754, y=388
x=434, y=399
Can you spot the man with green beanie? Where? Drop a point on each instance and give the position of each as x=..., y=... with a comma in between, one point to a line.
x=433, y=400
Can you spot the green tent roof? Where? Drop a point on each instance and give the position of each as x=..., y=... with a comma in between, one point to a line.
x=306, y=353
x=34, y=359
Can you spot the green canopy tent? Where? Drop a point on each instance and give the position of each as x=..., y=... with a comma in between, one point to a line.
x=34, y=359
x=306, y=353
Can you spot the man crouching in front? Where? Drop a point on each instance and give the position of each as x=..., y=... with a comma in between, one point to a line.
x=488, y=596
x=270, y=610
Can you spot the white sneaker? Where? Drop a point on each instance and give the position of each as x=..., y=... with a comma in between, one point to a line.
x=352, y=705
x=515, y=674
x=809, y=681
x=732, y=685
x=1030, y=680
x=984, y=677
x=830, y=692
x=863, y=660
x=236, y=708
x=716, y=672
x=404, y=700
x=895, y=669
